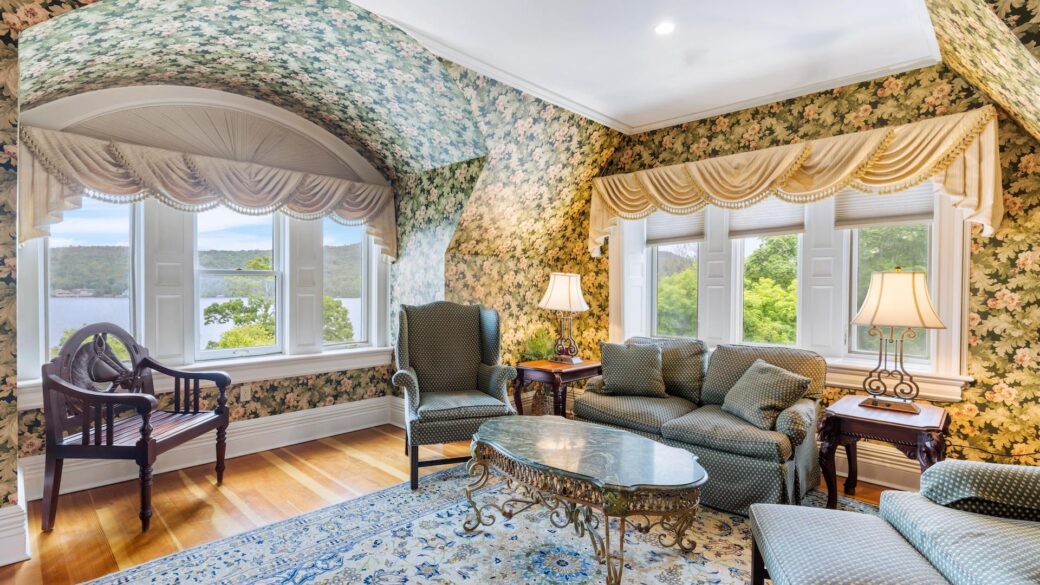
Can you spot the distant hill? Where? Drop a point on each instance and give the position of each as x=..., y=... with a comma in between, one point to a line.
x=105, y=269
x=669, y=263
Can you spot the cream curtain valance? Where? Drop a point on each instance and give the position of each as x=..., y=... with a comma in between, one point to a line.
x=959, y=152
x=56, y=169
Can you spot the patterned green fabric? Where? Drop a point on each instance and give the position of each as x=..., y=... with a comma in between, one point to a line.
x=813, y=546
x=967, y=548
x=709, y=426
x=494, y=381
x=729, y=362
x=490, y=337
x=632, y=370
x=1008, y=491
x=436, y=432
x=682, y=364
x=451, y=405
x=444, y=346
x=763, y=392
x=642, y=413
x=594, y=384
x=798, y=421
x=406, y=379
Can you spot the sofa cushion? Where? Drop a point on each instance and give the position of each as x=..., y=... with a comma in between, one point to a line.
x=682, y=364
x=709, y=426
x=814, y=546
x=967, y=548
x=729, y=362
x=1008, y=491
x=443, y=345
x=632, y=370
x=763, y=392
x=641, y=413
x=452, y=405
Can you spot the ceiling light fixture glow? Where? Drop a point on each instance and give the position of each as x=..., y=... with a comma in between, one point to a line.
x=666, y=27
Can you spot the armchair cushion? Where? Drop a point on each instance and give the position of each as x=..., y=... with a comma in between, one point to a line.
x=710, y=427
x=632, y=370
x=1007, y=491
x=640, y=413
x=798, y=421
x=729, y=362
x=459, y=404
x=763, y=392
x=443, y=345
x=682, y=364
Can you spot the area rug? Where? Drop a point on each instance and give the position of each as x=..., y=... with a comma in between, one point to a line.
x=397, y=537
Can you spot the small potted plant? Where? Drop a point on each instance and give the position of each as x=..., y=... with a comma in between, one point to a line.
x=540, y=345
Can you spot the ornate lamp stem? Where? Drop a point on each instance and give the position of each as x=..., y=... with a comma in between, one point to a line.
x=905, y=386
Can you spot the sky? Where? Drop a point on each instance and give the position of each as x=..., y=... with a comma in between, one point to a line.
x=98, y=223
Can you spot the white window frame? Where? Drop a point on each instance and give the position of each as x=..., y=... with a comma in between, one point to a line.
x=363, y=338
x=824, y=300
x=278, y=229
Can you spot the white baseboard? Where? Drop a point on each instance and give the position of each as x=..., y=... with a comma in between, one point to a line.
x=14, y=531
x=883, y=465
x=397, y=411
x=244, y=437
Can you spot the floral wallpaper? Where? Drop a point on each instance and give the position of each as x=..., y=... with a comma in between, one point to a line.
x=269, y=397
x=529, y=213
x=1023, y=18
x=999, y=418
x=333, y=63
x=978, y=45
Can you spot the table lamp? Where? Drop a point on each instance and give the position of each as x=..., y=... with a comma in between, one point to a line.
x=895, y=300
x=564, y=295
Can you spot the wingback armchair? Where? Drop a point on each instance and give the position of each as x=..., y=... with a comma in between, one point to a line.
x=447, y=367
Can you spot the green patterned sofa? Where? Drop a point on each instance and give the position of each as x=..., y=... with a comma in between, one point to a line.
x=972, y=523
x=745, y=464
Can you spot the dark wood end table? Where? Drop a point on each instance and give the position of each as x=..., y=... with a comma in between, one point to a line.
x=920, y=436
x=557, y=375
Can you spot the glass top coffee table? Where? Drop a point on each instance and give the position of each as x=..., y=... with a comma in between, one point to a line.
x=587, y=474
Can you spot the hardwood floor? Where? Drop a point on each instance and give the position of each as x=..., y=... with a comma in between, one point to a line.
x=97, y=531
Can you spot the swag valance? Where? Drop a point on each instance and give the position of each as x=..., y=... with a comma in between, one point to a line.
x=57, y=168
x=959, y=152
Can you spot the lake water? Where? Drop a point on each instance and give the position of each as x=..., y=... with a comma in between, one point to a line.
x=75, y=312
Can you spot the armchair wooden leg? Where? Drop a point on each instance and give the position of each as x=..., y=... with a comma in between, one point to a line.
x=51, y=489
x=146, y=497
x=758, y=565
x=414, y=456
x=221, y=450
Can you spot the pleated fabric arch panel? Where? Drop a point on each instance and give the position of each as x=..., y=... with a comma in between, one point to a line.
x=57, y=169
x=958, y=151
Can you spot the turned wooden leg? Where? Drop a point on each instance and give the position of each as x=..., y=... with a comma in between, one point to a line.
x=557, y=383
x=146, y=497
x=853, y=476
x=518, y=390
x=829, y=438
x=414, y=456
x=758, y=565
x=51, y=489
x=221, y=451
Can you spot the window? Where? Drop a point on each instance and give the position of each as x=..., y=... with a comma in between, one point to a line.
x=675, y=274
x=237, y=284
x=770, y=289
x=345, y=267
x=884, y=248
x=90, y=271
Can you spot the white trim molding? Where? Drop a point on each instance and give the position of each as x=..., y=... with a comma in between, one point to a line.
x=246, y=370
x=244, y=437
x=936, y=387
x=880, y=464
x=14, y=535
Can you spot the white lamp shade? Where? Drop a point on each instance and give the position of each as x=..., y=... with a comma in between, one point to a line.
x=564, y=293
x=898, y=299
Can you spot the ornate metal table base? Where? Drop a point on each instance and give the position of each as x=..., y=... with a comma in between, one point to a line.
x=584, y=506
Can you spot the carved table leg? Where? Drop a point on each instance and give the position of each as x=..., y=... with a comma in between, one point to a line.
x=557, y=383
x=478, y=469
x=615, y=559
x=931, y=449
x=850, y=454
x=518, y=389
x=829, y=438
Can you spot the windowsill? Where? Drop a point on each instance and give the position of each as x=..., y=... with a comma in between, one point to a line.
x=849, y=373
x=249, y=369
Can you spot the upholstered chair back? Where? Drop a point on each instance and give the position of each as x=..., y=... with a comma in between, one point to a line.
x=729, y=362
x=445, y=343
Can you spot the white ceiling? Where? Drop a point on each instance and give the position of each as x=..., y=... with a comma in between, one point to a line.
x=602, y=59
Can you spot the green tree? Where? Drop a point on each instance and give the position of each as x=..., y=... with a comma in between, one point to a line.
x=677, y=303
x=770, y=311
x=776, y=259
x=251, y=312
x=338, y=328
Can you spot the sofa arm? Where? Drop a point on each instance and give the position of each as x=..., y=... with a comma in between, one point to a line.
x=798, y=421
x=494, y=381
x=1008, y=491
x=594, y=384
x=407, y=380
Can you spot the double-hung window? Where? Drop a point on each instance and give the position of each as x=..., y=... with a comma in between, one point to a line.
x=345, y=259
x=673, y=242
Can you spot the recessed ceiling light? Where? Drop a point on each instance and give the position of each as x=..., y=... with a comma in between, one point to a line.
x=666, y=27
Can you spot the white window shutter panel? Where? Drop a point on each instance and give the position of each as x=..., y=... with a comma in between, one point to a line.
x=304, y=287
x=168, y=295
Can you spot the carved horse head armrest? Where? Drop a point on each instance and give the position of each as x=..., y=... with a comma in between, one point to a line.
x=89, y=359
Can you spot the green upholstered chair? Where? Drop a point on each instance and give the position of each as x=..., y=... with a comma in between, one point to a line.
x=448, y=370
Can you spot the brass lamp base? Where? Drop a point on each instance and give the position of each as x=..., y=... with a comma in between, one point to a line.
x=892, y=405
x=566, y=359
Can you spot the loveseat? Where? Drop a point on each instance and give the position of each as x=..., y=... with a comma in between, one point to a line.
x=745, y=464
x=972, y=523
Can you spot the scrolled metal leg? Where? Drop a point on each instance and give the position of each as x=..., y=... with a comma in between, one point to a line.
x=677, y=530
x=615, y=559
x=479, y=469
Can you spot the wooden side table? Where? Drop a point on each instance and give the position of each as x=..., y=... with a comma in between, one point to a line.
x=557, y=375
x=920, y=436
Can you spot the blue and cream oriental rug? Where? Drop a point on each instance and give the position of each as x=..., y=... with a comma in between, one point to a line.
x=397, y=537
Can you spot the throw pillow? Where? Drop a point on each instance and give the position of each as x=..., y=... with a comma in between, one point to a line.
x=632, y=370
x=763, y=392
x=682, y=365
